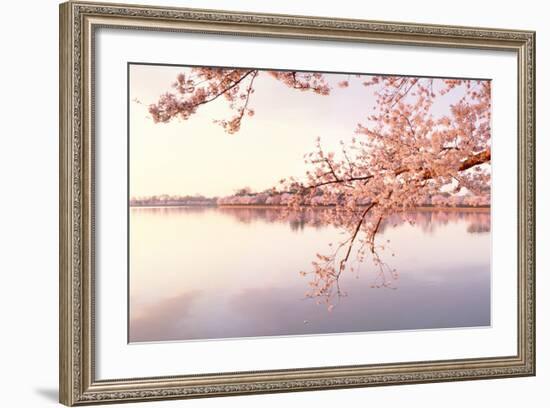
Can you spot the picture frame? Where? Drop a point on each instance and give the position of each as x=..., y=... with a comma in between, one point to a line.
x=79, y=184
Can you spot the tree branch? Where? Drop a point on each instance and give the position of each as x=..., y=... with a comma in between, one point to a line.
x=248, y=92
x=354, y=235
x=235, y=83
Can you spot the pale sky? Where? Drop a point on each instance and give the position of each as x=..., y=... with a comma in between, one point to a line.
x=196, y=156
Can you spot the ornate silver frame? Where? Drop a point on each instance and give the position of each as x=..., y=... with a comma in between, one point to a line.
x=78, y=21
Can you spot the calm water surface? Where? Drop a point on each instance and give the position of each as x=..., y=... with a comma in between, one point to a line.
x=205, y=273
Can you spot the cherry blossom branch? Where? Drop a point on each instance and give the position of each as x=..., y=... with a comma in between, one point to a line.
x=407, y=151
x=226, y=90
x=354, y=235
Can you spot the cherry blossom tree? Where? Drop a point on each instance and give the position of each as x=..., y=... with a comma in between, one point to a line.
x=421, y=137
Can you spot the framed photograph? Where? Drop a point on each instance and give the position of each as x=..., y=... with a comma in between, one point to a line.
x=255, y=203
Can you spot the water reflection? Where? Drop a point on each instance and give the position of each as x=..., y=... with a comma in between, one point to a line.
x=479, y=219
x=207, y=272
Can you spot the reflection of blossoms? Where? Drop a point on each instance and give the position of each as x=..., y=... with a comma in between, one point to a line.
x=428, y=220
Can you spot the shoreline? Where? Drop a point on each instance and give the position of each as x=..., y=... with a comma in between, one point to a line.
x=280, y=207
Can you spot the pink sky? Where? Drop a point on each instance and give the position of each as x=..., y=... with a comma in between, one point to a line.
x=197, y=157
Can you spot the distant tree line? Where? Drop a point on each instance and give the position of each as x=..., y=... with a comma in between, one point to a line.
x=172, y=200
x=246, y=196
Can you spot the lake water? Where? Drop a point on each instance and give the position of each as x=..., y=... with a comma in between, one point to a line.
x=206, y=273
